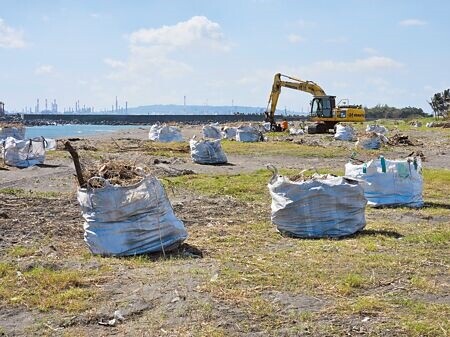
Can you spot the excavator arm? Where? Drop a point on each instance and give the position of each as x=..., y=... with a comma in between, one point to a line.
x=294, y=83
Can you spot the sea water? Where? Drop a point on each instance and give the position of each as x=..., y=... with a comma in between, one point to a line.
x=74, y=130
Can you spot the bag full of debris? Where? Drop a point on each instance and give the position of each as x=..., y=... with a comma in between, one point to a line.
x=377, y=129
x=344, y=132
x=296, y=132
x=17, y=132
x=248, y=134
x=323, y=206
x=229, y=133
x=164, y=133
x=390, y=182
x=129, y=220
x=207, y=152
x=24, y=153
x=211, y=131
x=371, y=141
x=266, y=126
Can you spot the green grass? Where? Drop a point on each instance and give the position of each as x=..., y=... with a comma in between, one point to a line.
x=46, y=289
x=21, y=251
x=282, y=149
x=248, y=187
x=245, y=187
x=22, y=193
x=178, y=149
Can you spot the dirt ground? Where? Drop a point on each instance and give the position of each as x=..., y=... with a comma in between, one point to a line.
x=182, y=294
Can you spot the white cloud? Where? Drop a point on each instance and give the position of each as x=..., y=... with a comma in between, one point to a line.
x=370, y=51
x=94, y=15
x=159, y=56
x=10, y=37
x=412, y=22
x=369, y=63
x=198, y=30
x=45, y=69
x=294, y=38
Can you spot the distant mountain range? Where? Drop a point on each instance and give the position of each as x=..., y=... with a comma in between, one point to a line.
x=173, y=109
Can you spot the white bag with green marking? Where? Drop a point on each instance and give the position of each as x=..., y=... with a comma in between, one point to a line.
x=390, y=182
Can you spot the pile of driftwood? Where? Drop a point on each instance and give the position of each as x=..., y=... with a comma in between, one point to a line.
x=115, y=172
x=120, y=173
x=401, y=139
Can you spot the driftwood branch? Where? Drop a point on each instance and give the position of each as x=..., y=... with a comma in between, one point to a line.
x=76, y=162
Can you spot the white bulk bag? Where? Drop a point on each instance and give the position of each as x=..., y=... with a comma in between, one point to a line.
x=15, y=132
x=390, y=182
x=377, y=128
x=211, y=131
x=129, y=220
x=266, y=126
x=50, y=144
x=248, y=134
x=371, y=141
x=295, y=132
x=207, y=152
x=344, y=132
x=24, y=153
x=164, y=133
x=229, y=133
x=330, y=207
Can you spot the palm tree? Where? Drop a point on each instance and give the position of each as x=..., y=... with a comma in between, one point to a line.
x=440, y=103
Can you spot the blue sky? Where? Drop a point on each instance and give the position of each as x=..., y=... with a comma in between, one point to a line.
x=219, y=52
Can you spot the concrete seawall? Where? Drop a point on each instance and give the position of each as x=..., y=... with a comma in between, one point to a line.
x=146, y=119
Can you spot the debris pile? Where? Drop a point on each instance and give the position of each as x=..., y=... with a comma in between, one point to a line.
x=401, y=139
x=438, y=125
x=416, y=124
x=118, y=173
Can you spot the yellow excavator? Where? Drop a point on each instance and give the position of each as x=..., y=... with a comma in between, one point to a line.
x=324, y=111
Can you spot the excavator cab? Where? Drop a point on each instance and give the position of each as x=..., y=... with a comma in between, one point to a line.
x=322, y=106
x=323, y=112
